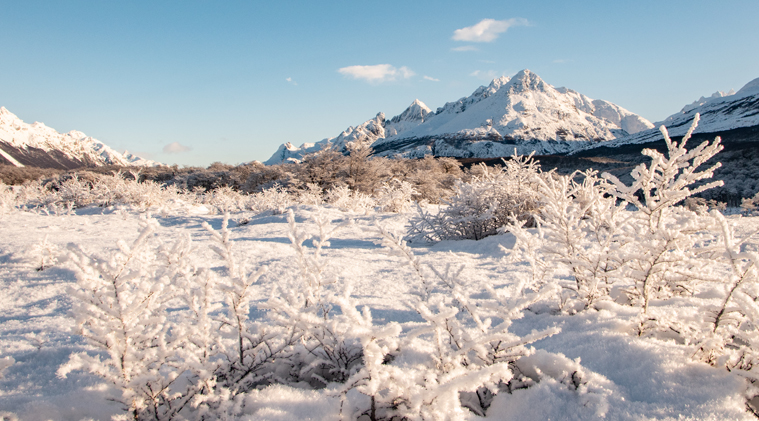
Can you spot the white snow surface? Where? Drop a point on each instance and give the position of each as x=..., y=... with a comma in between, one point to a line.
x=641, y=379
x=522, y=110
x=74, y=144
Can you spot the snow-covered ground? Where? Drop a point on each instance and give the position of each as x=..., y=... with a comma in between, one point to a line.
x=634, y=378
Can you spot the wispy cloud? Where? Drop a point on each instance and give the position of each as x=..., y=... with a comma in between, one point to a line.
x=487, y=30
x=425, y=77
x=377, y=72
x=486, y=75
x=291, y=81
x=465, y=48
x=176, y=147
x=561, y=61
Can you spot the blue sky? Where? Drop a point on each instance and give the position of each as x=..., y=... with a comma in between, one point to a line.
x=230, y=81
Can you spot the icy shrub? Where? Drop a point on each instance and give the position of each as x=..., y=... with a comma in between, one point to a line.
x=395, y=196
x=311, y=195
x=120, y=308
x=642, y=253
x=7, y=198
x=345, y=199
x=660, y=237
x=275, y=200
x=482, y=206
x=43, y=255
x=578, y=226
x=466, y=358
x=224, y=200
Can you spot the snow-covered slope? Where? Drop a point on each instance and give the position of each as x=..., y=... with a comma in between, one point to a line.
x=38, y=145
x=523, y=112
x=360, y=136
x=719, y=113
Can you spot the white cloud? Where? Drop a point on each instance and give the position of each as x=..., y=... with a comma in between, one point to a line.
x=176, y=147
x=465, y=48
x=486, y=75
x=486, y=30
x=430, y=78
x=291, y=81
x=377, y=72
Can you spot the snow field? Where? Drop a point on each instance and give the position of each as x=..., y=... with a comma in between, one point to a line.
x=634, y=378
x=597, y=300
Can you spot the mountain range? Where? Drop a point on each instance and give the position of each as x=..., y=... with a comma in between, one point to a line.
x=522, y=112
x=37, y=145
x=527, y=114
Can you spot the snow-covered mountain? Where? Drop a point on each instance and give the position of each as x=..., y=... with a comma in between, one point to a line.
x=720, y=113
x=522, y=112
x=360, y=136
x=41, y=146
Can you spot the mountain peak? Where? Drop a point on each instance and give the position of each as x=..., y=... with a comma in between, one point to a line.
x=498, y=82
x=38, y=145
x=417, y=111
x=749, y=88
x=526, y=80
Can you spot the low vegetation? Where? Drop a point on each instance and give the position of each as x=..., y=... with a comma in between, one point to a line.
x=590, y=243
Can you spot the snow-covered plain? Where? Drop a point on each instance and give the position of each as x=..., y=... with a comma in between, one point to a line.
x=634, y=378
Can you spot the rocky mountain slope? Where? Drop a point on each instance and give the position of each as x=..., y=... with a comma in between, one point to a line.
x=37, y=145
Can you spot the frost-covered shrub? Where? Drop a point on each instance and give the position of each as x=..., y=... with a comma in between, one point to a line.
x=43, y=255
x=482, y=206
x=661, y=237
x=462, y=358
x=345, y=199
x=7, y=198
x=395, y=196
x=120, y=308
x=311, y=195
x=275, y=200
x=608, y=236
x=578, y=227
x=225, y=200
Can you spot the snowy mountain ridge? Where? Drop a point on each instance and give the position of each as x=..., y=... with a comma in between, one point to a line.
x=522, y=112
x=719, y=113
x=39, y=145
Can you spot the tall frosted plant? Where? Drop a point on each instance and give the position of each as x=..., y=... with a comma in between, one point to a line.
x=660, y=236
x=120, y=308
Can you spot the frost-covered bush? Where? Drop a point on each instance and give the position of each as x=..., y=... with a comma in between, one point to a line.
x=395, y=196
x=579, y=226
x=632, y=242
x=661, y=237
x=43, y=255
x=461, y=355
x=177, y=341
x=275, y=200
x=7, y=199
x=345, y=199
x=225, y=200
x=120, y=307
x=480, y=207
